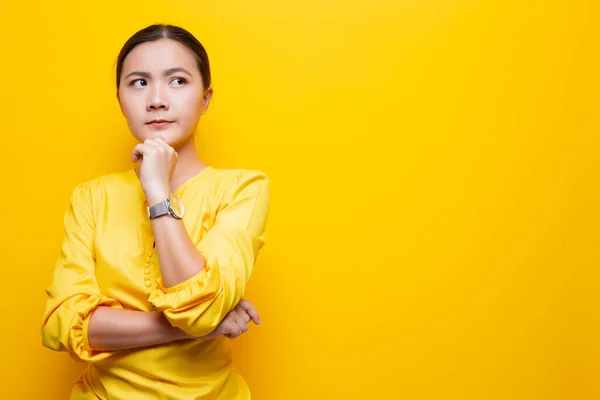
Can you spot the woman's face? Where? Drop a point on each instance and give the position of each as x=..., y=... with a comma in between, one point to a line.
x=161, y=92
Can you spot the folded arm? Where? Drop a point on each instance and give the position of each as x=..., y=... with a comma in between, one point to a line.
x=202, y=283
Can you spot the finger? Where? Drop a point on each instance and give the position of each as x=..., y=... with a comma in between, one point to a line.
x=242, y=325
x=250, y=310
x=155, y=144
x=161, y=146
x=235, y=331
x=161, y=140
x=139, y=151
x=242, y=314
x=231, y=315
x=229, y=322
x=158, y=142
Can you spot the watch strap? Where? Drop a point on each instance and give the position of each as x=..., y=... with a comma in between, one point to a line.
x=159, y=209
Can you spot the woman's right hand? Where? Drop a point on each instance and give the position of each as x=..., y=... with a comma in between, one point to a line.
x=235, y=322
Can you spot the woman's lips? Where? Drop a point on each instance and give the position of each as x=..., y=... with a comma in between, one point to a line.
x=159, y=123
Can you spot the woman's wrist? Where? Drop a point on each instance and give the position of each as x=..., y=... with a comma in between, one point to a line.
x=154, y=196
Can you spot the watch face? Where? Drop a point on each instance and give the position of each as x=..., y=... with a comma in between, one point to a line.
x=176, y=206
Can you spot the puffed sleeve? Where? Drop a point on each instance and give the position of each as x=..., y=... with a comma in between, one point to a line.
x=230, y=249
x=74, y=294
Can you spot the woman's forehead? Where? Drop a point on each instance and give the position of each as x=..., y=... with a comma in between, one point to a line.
x=159, y=56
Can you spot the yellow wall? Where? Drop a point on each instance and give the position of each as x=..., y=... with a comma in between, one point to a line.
x=435, y=220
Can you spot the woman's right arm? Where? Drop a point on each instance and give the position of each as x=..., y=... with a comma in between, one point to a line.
x=115, y=329
x=78, y=317
x=74, y=294
x=89, y=325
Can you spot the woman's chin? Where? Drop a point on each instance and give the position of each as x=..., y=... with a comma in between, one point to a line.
x=163, y=134
x=171, y=136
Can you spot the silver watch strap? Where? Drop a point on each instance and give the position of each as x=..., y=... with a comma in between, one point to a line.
x=159, y=209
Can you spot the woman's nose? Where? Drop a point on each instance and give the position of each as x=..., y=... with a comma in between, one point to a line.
x=157, y=99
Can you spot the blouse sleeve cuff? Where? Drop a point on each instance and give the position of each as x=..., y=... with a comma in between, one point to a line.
x=199, y=289
x=79, y=332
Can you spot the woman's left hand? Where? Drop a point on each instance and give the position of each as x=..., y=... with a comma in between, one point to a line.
x=233, y=325
x=157, y=163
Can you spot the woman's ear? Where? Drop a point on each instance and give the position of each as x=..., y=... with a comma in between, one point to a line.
x=119, y=101
x=206, y=100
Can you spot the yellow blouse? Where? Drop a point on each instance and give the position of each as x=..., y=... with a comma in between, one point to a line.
x=108, y=259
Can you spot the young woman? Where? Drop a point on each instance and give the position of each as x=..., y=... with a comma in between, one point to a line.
x=148, y=287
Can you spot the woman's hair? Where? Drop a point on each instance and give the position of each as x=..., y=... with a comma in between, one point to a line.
x=153, y=33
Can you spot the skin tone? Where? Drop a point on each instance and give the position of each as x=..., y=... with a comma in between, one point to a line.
x=162, y=97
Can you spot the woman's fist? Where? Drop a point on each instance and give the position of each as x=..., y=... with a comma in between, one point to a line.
x=157, y=163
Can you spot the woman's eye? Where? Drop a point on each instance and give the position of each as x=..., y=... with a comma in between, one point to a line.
x=178, y=81
x=138, y=83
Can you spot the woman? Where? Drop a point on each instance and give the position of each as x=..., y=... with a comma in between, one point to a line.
x=147, y=289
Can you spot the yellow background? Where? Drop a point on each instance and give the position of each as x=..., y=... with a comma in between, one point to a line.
x=435, y=206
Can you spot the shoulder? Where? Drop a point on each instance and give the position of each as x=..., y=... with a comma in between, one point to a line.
x=228, y=185
x=231, y=178
x=97, y=188
x=243, y=201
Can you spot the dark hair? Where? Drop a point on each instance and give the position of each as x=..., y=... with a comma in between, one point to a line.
x=153, y=33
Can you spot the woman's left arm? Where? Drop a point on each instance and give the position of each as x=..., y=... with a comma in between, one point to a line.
x=200, y=285
x=179, y=258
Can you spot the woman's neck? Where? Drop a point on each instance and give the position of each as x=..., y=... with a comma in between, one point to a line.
x=188, y=164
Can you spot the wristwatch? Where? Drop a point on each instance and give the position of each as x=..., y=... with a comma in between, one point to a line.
x=171, y=205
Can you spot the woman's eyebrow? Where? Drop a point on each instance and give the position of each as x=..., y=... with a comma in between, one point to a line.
x=167, y=72
x=172, y=71
x=139, y=73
